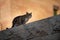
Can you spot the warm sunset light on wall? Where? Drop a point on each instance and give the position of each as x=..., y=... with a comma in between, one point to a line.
x=40, y=9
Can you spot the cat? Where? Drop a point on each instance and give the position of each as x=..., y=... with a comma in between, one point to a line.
x=19, y=20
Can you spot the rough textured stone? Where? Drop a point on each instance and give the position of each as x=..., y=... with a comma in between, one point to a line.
x=38, y=30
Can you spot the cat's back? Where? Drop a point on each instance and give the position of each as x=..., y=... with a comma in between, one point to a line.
x=17, y=18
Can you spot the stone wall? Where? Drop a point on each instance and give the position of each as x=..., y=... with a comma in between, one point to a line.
x=38, y=30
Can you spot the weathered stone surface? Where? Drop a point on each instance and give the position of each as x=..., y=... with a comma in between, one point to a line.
x=38, y=30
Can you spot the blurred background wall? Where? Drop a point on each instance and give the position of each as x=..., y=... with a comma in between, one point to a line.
x=11, y=8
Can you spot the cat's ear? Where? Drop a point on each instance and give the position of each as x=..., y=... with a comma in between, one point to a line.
x=27, y=13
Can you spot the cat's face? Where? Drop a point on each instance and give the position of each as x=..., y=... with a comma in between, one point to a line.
x=29, y=15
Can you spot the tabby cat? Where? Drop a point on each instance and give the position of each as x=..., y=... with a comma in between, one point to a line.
x=19, y=20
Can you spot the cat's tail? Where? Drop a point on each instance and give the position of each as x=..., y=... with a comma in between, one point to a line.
x=7, y=28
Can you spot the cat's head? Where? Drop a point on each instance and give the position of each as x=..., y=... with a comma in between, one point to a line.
x=29, y=15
